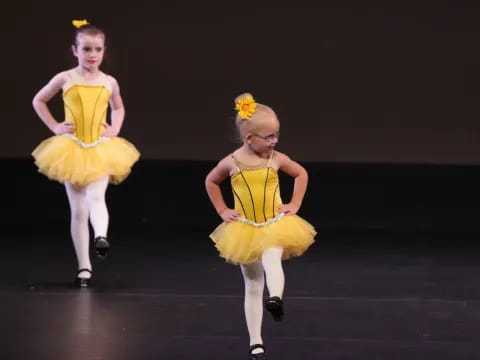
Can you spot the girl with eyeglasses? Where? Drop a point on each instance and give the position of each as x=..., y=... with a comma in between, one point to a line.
x=260, y=231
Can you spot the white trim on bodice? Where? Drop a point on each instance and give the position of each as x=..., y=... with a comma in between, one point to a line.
x=250, y=222
x=84, y=145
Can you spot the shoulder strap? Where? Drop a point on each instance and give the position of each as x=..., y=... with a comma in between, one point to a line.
x=107, y=82
x=270, y=159
x=236, y=163
x=69, y=79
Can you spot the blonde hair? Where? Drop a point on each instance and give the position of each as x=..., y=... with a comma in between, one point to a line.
x=250, y=124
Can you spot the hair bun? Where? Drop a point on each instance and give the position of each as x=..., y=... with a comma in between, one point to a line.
x=242, y=97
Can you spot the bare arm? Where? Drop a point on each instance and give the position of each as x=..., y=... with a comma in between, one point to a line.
x=42, y=97
x=118, y=111
x=212, y=183
x=298, y=172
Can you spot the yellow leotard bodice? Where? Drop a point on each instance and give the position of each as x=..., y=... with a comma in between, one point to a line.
x=256, y=193
x=85, y=155
x=86, y=107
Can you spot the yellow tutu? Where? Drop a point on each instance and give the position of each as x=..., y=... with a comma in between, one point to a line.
x=241, y=243
x=62, y=159
x=85, y=156
x=257, y=199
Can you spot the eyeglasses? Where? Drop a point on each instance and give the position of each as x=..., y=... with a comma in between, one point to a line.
x=268, y=138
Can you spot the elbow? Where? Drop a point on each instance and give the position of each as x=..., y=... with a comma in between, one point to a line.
x=208, y=183
x=119, y=110
x=302, y=174
x=36, y=103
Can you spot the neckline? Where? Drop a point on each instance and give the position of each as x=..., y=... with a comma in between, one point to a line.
x=260, y=164
x=238, y=170
x=268, y=161
x=88, y=86
x=265, y=164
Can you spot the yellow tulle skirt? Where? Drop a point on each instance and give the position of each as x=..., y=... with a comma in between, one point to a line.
x=241, y=243
x=62, y=159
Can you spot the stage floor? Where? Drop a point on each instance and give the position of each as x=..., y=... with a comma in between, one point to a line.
x=167, y=295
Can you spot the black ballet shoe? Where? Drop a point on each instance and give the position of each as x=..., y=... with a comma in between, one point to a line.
x=101, y=247
x=274, y=305
x=259, y=356
x=82, y=282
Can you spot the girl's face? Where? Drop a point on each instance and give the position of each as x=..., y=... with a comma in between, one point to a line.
x=89, y=51
x=265, y=137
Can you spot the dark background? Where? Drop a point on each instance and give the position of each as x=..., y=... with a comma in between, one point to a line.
x=378, y=100
x=359, y=81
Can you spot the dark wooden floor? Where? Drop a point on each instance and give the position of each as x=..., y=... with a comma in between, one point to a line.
x=166, y=295
x=393, y=275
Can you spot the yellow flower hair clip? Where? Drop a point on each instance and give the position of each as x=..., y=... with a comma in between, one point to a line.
x=79, y=23
x=246, y=107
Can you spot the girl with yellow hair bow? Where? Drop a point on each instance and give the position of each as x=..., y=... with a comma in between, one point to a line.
x=85, y=153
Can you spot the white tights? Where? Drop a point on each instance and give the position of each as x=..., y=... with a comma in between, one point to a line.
x=254, y=275
x=87, y=202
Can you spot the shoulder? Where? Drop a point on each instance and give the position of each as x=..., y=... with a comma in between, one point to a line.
x=227, y=163
x=111, y=80
x=222, y=169
x=60, y=78
x=55, y=83
x=111, y=84
x=287, y=165
x=280, y=158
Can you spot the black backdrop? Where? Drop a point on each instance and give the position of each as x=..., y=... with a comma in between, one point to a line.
x=389, y=82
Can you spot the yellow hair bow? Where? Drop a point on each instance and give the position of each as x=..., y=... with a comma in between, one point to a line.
x=246, y=107
x=79, y=23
